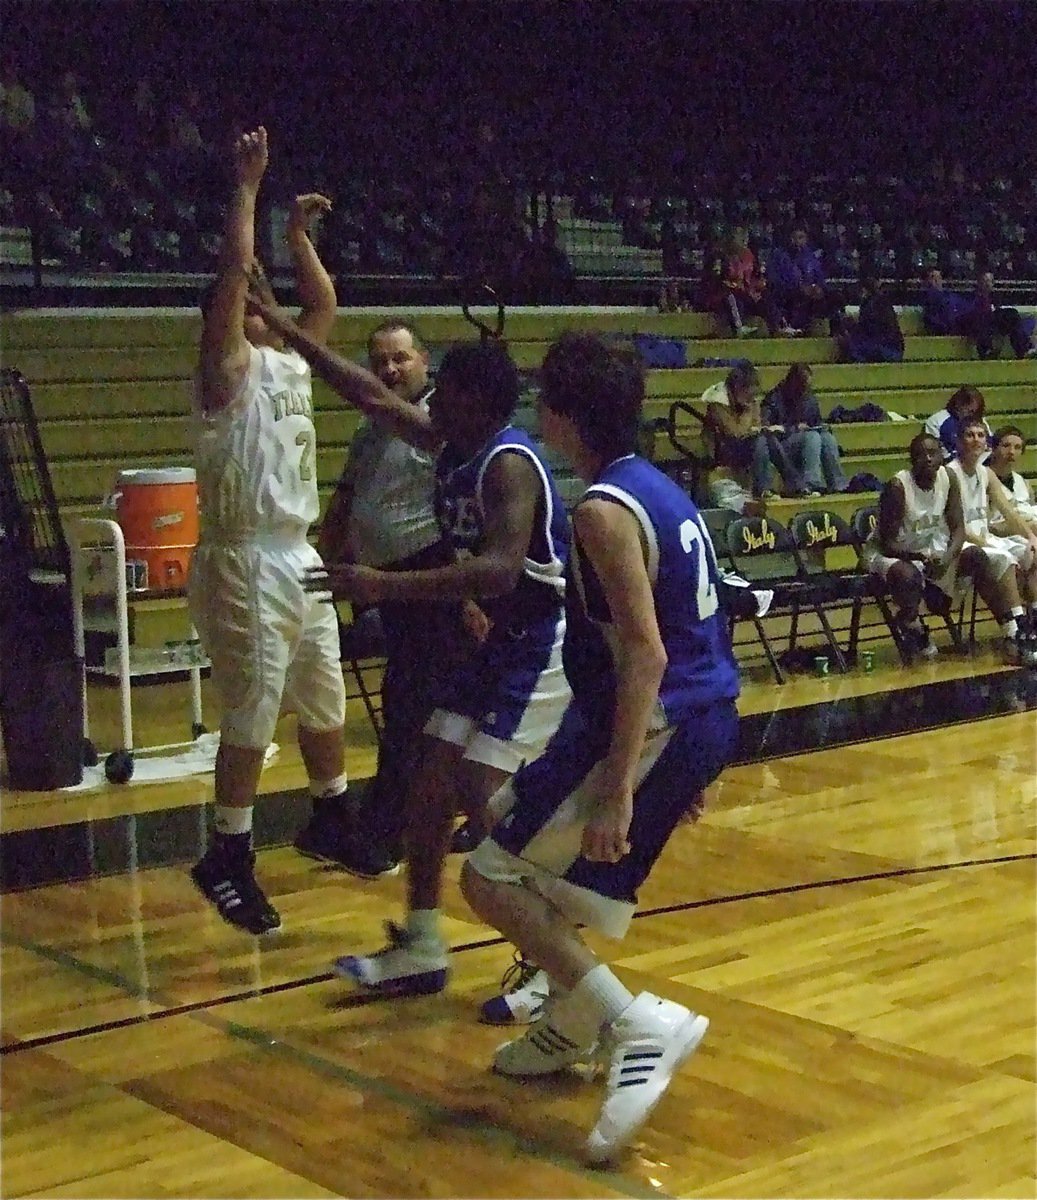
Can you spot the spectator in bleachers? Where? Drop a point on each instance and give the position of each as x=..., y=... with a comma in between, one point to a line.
x=874, y=335
x=745, y=455
x=487, y=238
x=672, y=297
x=189, y=149
x=942, y=311
x=543, y=272
x=791, y=411
x=67, y=108
x=967, y=403
x=145, y=126
x=1011, y=556
x=800, y=287
x=67, y=134
x=1009, y=447
x=919, y=549
x=17, y=129
x=989, y=323
x=735, y=289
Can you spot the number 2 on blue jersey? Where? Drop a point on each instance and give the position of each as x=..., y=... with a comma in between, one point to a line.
x=695, y=540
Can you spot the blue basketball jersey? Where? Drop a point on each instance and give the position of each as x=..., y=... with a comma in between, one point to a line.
x=700, y=668
x=459, y=509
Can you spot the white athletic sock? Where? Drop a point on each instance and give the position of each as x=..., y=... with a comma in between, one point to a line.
x=600, y=990
x=423, y=925
x=321, y=789
x=1009, y=628
x=232, y=820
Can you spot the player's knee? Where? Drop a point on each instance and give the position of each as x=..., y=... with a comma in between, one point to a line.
x=476, y=889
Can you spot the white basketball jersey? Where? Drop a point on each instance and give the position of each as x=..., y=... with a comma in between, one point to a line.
x=924, y=529
x=256, y=458
x=974, y=500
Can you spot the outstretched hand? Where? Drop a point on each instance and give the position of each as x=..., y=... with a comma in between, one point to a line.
x=346, y=581
x=305, y=209
x=251, y=157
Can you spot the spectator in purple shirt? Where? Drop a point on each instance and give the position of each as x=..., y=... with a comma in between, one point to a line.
x=942, y=311
x=875, y=334
x=989, y=323
x=799, y=284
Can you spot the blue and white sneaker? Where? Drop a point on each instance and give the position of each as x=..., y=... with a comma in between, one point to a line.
x=524, y=990
x=406, y=967
x=648, y=1042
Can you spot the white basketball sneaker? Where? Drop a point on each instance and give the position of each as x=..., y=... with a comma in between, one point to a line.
x=649, y=1042
x=560, y=1038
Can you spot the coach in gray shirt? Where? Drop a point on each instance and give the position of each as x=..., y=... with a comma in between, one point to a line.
x=382, y=516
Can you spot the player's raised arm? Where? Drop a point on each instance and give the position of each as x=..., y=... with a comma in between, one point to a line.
x=354, y=383
x=312, y=282
x=224, y=348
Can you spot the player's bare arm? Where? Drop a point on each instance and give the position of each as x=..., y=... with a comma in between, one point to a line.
x=354, y=383
x=511, y=489
x=954, y=515
x=610, y=537
x=224, y=348
x=997, y=495
x=892, y=507
x=312, y=282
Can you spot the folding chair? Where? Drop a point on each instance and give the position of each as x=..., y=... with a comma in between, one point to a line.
x=762, y=550
x=864, y=523
x=853, y=585
x=362, y=650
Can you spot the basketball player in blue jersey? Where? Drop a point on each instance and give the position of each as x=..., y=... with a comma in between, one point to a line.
x=653, y=723
x=498, y=506
x=270, y=643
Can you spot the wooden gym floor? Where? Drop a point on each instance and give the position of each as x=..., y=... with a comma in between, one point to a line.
x=855, y=914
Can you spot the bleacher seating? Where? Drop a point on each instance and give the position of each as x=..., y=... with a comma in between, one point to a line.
x=112, y=387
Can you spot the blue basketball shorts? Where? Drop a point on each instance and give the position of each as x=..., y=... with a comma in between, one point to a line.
x=542, y=811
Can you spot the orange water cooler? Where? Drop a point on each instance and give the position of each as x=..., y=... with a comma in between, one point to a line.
x=157, y=511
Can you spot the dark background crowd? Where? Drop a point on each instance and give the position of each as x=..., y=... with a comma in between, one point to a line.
x=899, y=133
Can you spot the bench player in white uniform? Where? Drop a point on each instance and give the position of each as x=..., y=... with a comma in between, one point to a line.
x=1009, y=445
x=653, y=723
x=269, y=641
x=1011, y=554
x=917, y=543
x=498, y=505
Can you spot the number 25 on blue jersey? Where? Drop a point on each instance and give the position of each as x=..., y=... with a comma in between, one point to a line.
x=695, y=540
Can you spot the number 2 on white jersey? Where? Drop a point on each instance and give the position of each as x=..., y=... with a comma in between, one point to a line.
x=307, y=441
x=694, y=539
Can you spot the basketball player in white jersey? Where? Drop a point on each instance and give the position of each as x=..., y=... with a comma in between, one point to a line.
x=919, y=548
x=1008, y=448
x=270, y=642
x=1012, y=554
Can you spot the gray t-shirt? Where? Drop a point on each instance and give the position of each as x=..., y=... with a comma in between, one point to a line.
x=391, y=516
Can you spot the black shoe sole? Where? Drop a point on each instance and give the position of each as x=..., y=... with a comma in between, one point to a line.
x=200, y=887
x=330, y=861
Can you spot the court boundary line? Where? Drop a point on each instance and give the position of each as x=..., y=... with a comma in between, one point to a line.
x=357, y=1000
x=275, y=1044
x=484, y=1129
